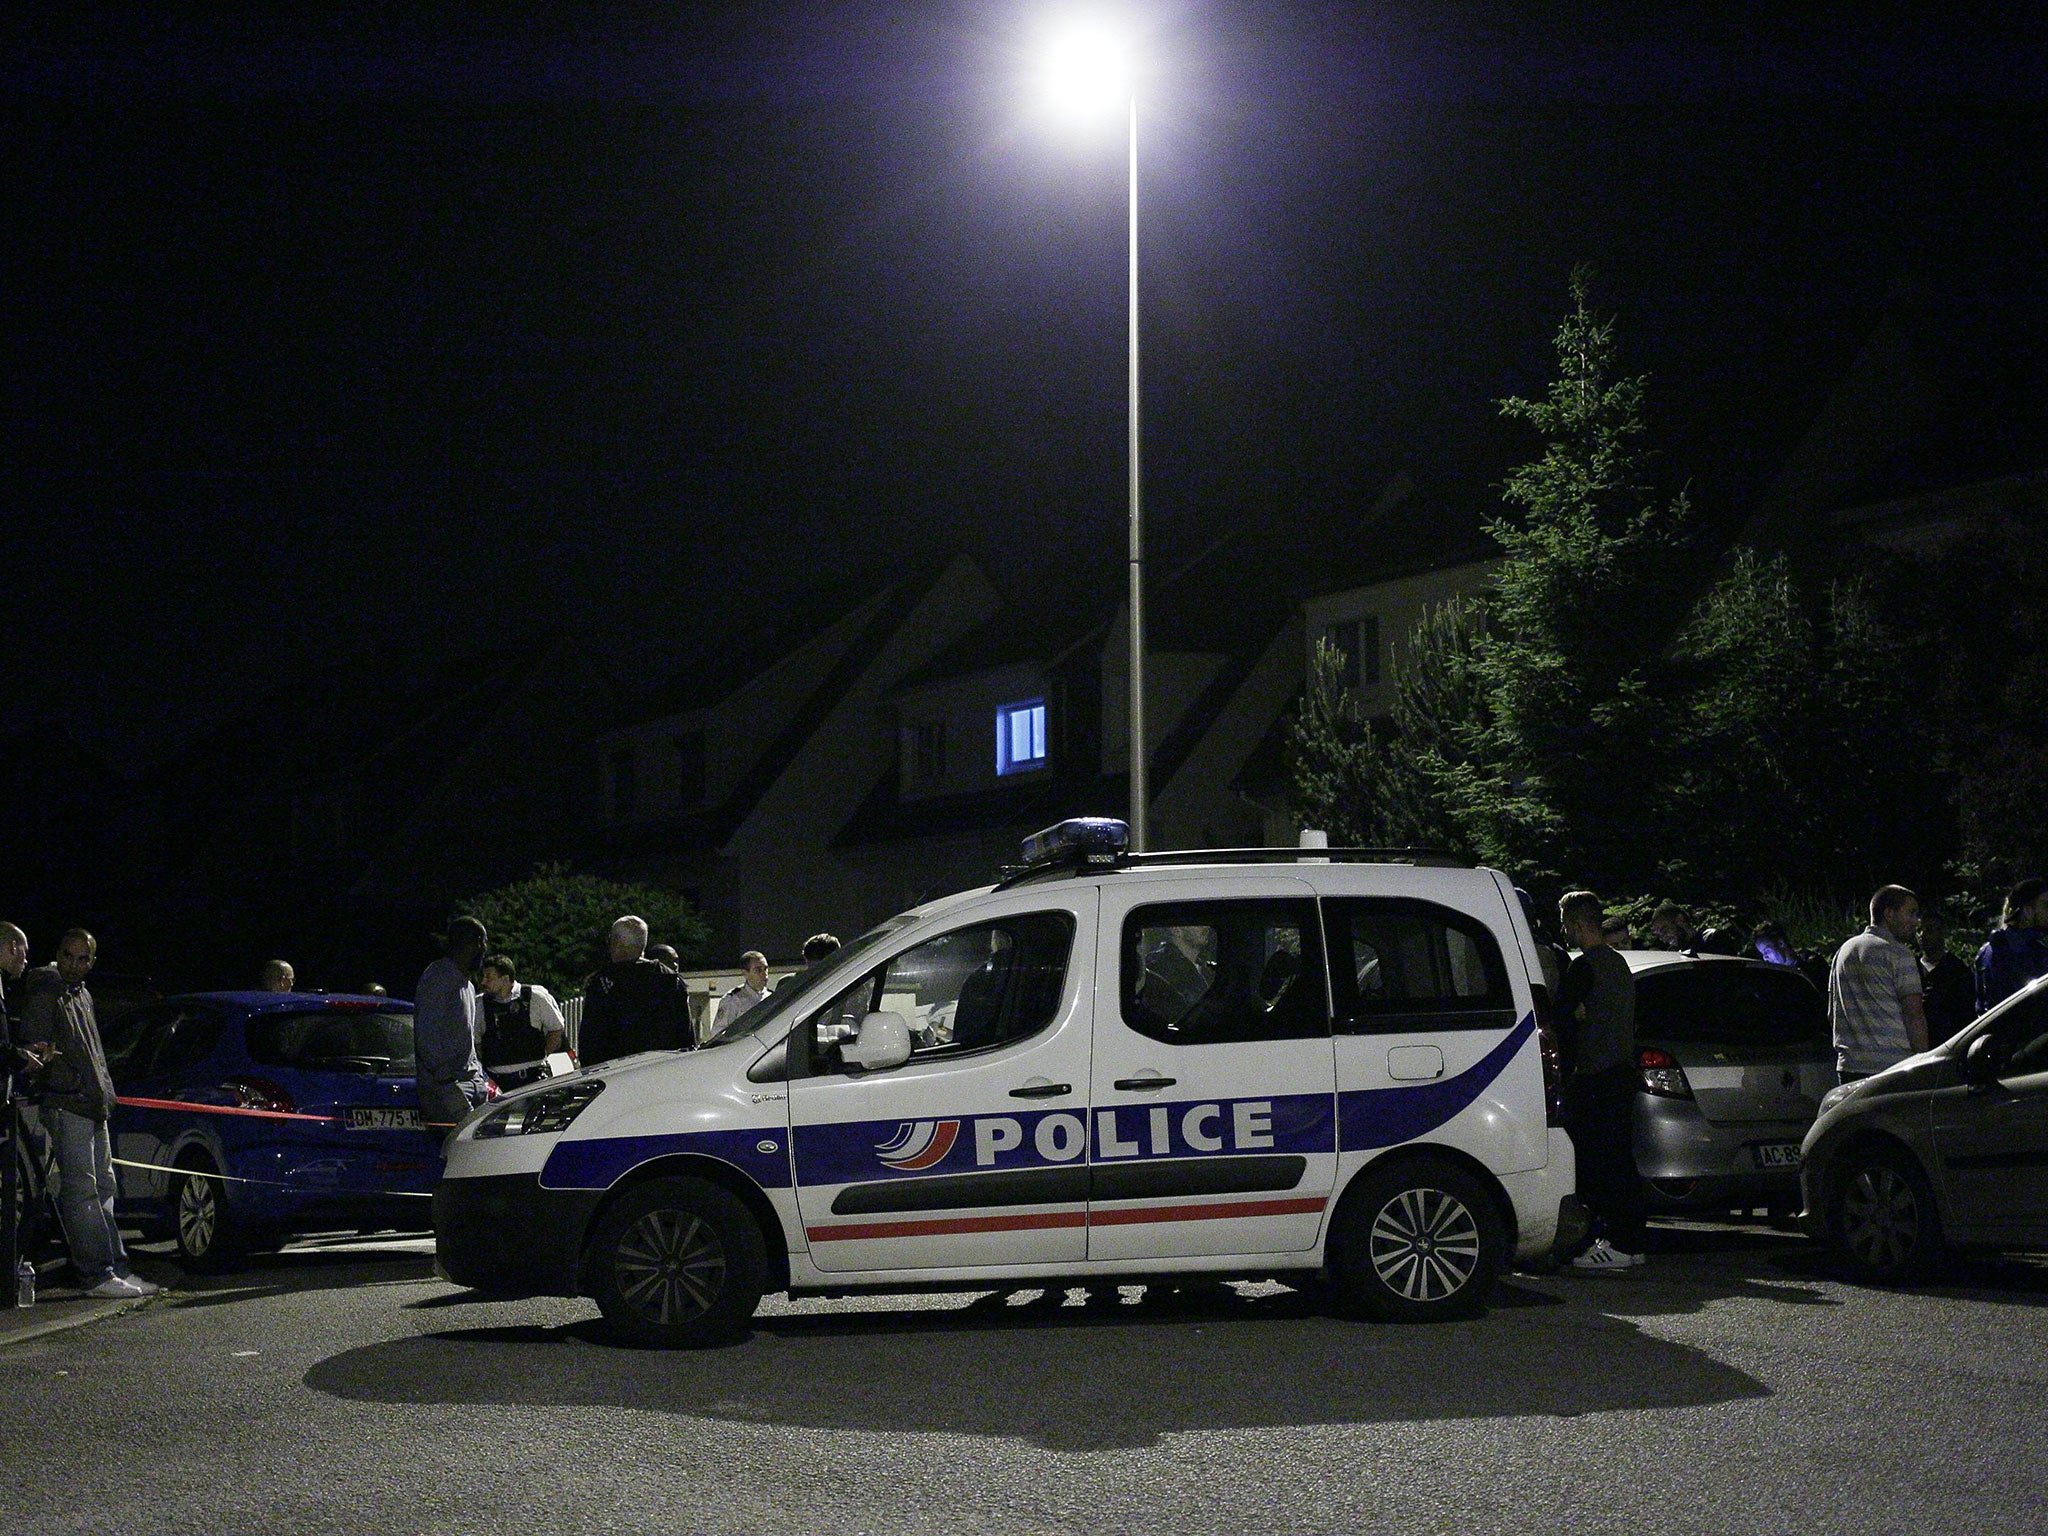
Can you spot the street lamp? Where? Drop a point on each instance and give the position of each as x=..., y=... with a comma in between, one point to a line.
x=1088, y=74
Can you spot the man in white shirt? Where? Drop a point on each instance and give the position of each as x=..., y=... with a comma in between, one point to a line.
x=746, y=995
x=522, y=1025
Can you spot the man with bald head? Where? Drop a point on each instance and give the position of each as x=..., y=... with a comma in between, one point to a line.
x=632, y=1004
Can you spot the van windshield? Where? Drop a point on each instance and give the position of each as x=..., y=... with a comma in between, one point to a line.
x=795, y=989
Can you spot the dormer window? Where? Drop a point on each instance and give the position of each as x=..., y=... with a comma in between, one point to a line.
x=1020, y=736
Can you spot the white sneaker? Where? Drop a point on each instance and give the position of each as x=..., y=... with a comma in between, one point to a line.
x=150, y=1288
x=121, y=1287
x=1603, y=1256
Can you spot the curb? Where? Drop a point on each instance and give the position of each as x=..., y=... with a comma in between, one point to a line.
x=78, y=1319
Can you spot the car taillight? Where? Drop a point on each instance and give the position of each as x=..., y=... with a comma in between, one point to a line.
x=1552, y=1052
x=491, y=1090
x=1661, y=1074
x=260, y=1093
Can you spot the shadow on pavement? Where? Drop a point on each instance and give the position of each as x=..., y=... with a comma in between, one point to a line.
x=310, y=1266
x=1105, y=1375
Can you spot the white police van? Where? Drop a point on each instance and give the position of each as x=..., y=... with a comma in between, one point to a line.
x=1108, y=1066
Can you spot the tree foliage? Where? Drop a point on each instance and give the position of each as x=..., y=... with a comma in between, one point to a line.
x=1594, y=722
x=553, y=925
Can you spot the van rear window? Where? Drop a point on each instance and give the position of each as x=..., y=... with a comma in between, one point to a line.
x=334, y=1041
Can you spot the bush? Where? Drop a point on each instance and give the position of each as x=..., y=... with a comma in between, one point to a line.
x=554, y=924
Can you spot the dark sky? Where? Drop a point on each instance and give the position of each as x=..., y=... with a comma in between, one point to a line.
x=353, y=327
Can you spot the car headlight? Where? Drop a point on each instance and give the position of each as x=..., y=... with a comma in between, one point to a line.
x=551, y=1109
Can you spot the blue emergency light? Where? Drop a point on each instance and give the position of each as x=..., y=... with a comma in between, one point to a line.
x=1083, y=839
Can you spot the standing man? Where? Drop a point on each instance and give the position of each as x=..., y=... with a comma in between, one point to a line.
x=1598, y=1005
x=63, y=1038
x=748, y=994
x=2017, y=950
x=1947, y=991
x=522, y=1025
x=1874, y=989
x=632, y=1003
x=276, y=976
x=13, y=961
x=444, y=1023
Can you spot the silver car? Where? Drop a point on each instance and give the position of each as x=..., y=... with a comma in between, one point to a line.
x=1947, y=1149
x=1734, y=1057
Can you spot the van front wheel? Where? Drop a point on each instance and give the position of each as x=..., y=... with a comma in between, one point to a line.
x=1418, y=1241
x=678, y=1264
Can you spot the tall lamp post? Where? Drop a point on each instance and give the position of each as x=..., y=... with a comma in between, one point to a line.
x=1088, y=70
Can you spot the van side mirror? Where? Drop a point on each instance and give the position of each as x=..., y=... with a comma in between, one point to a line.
x=883, y=1042
x=1982, y=1061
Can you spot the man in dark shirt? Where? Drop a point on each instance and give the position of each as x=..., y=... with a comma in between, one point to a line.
x=632, y=1004
x=1948, y=992
x=445, y=1029
x=1598, y=1005
x=63, y=1037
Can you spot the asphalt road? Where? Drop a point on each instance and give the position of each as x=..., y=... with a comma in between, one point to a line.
x=1738, y=1386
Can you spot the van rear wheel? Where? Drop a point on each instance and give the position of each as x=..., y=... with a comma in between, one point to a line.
x=678, y=1264
x=1418, y=1241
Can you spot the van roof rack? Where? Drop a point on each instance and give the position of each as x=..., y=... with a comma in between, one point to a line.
x=1421, y=858
x=1069, y=864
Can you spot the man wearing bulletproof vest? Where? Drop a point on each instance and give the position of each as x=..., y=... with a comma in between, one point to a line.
x=522, y=1025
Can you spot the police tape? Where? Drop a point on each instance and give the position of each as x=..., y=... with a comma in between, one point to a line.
x=236, y=1178
x=268, y=1114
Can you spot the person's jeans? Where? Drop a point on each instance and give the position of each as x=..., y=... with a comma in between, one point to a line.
x=85, y=1193
x=442, y=1105
x=1603, y=1125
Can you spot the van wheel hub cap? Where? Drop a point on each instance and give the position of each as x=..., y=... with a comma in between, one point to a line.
x=1424, y=1245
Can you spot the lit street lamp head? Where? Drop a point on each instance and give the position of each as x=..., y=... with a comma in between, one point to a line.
x=1084, y=66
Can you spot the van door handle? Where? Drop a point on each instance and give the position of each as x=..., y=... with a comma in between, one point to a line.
x=1041, y=1091
x=1135, y=1083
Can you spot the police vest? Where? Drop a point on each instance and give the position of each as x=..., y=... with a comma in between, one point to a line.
x=509, y=1038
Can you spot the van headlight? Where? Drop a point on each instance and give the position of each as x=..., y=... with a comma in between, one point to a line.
x=551, y=1109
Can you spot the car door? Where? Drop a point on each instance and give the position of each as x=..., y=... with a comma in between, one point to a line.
x=1992, y=1143
x=140, y=1134
x=1213, y=1086
x=975, y=1151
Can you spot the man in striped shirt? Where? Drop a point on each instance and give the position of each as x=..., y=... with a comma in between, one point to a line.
x=1874, y=990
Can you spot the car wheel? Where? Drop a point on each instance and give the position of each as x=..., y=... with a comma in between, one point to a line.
x=208, y=1234
x=1418, y=1241
x=678, y=1264
x=1883, y=1216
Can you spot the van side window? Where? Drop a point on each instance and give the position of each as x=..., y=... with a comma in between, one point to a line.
x=967, y=990
x=1398, y=965
x=1210, y=972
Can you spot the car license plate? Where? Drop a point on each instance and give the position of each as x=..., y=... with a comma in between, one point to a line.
x=1777, y=1154
x=367, y=1119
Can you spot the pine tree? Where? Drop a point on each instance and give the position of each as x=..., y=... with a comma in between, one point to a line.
x=1583, y=608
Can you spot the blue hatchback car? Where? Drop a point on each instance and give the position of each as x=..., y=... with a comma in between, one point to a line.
x=246, y=1117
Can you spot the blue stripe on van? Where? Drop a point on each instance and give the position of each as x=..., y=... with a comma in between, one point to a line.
x=1385, y=1117
x=599, y=1162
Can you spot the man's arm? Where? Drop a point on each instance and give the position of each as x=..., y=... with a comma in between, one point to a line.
x=546, y=1015
x=440, y=1043
x=1914, y=1010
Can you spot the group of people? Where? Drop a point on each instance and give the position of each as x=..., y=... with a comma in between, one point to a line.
x=1886, y=1001
x=476, y=1024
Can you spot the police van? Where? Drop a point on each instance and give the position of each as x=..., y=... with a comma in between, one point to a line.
x=1106, y=1067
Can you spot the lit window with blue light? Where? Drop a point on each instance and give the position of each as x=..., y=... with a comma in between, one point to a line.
x=1020, y=736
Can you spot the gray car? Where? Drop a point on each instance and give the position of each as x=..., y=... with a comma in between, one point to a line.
x=1733, y=1059
x=1947, y=1149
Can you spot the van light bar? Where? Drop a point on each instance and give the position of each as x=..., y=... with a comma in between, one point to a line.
x=1091, y=839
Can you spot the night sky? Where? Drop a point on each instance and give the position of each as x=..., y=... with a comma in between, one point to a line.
x=350, y=328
